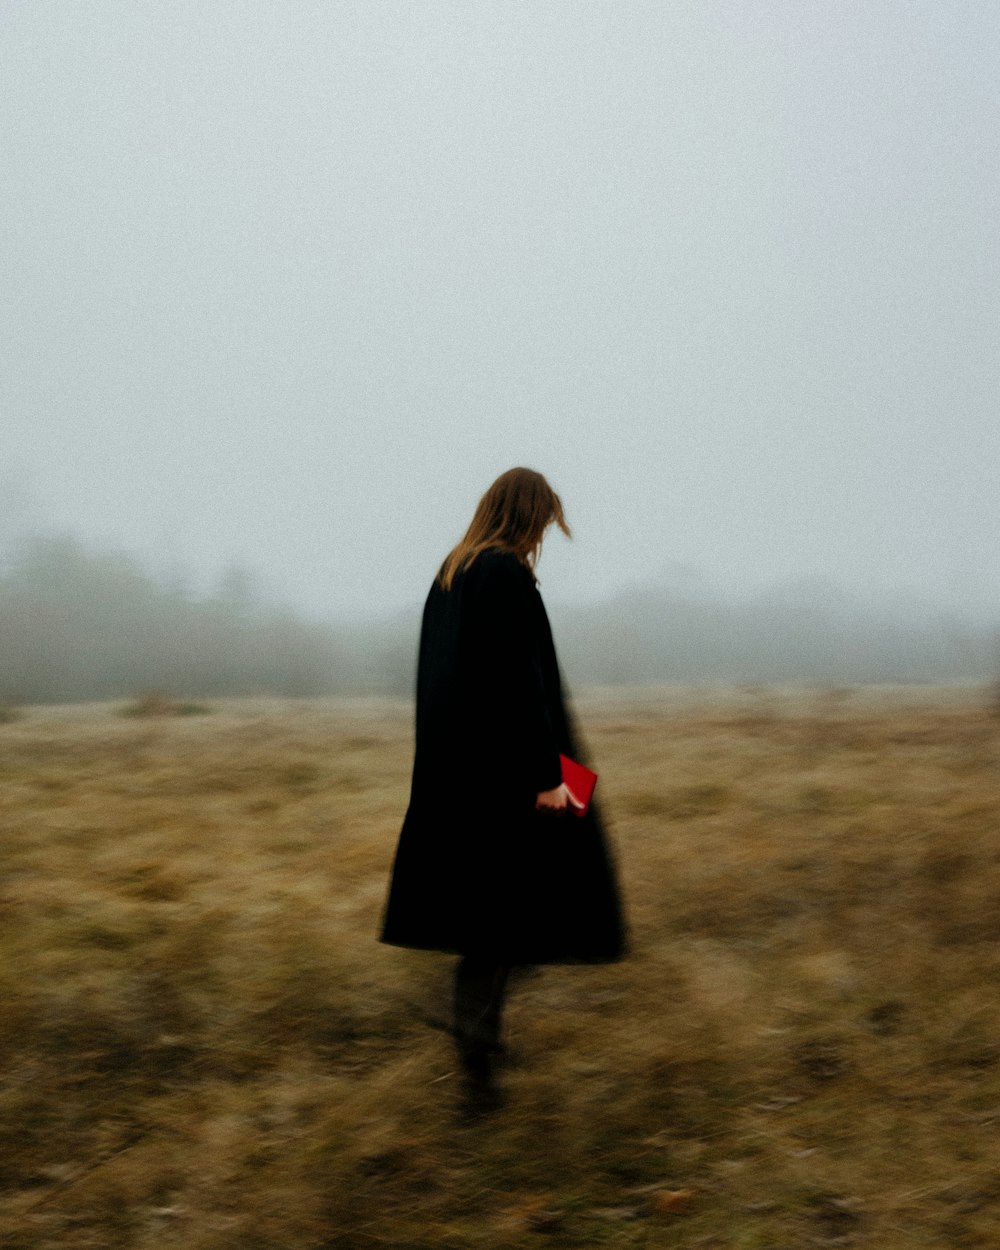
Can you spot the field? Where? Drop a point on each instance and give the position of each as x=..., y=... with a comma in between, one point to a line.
x=203, y=1046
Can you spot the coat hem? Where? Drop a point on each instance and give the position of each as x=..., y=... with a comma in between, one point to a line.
x=514, y=958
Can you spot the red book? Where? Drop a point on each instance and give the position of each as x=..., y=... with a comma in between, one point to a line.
x=580, y=782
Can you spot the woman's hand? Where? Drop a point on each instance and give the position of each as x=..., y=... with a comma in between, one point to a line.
x=557, y=800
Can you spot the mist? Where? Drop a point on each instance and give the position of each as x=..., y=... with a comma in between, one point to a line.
x=287, y=285
x=79, y=623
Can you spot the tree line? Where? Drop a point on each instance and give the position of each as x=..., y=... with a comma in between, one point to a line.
x=78, y=624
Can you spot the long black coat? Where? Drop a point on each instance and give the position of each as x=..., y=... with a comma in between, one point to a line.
x=477, y=868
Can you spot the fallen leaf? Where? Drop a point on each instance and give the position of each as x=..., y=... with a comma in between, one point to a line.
x=776, y=1104
x=615, y=1214
x=530, y=1214
x=670, y=1201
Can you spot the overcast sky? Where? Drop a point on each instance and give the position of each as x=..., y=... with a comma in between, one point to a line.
x=289, y=283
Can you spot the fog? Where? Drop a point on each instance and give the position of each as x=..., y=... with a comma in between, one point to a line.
x=286, y=285
x=80, y=624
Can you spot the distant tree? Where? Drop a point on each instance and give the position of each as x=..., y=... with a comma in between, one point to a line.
x=77, y=624
x=237, y=591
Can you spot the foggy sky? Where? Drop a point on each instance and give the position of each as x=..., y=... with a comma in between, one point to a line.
x=289, y=283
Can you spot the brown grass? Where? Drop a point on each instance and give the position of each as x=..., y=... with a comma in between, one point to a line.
x=9, y=712
x=156, y=703
x=202, y=1045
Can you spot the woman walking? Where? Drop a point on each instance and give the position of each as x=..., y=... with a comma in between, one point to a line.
x=492, y=864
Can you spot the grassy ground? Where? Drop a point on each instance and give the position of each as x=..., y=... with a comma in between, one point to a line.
x=202, y=1046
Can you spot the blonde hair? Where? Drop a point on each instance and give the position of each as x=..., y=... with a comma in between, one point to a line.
x=513, y=516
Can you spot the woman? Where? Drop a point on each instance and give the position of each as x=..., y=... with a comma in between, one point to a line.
x=492, y=864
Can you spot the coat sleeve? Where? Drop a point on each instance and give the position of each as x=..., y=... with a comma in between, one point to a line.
x=505, y=659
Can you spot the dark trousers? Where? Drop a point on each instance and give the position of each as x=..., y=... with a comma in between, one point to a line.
x=480, y=986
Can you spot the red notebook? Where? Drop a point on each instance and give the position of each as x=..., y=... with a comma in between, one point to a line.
x=579, y=781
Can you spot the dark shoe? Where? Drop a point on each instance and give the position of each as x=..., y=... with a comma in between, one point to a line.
x=480, y=1093
x=479, y=1100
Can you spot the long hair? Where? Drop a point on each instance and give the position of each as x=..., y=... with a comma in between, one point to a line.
x=513, y=516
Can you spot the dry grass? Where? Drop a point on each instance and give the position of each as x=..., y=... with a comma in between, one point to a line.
x=156, y=703
x=9, y=712
x=203, y=1046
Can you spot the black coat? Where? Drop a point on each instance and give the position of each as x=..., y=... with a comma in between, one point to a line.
x=478, y=869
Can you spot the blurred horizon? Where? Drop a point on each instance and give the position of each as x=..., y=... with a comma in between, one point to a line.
x=78, y=622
